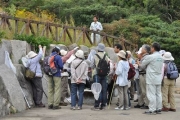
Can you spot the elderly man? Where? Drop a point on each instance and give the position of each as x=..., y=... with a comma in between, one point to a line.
x=143, y=101
x=154, y=65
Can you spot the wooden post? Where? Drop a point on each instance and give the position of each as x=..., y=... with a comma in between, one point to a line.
x=47, y=30
x=16, y=27
x=37, y=26
x=27, y=27
x=64, y=33
x=56, y=32
x=74, y=35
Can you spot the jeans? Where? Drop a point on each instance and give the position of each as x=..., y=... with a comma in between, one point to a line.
x=74, y=88
x=103, y=95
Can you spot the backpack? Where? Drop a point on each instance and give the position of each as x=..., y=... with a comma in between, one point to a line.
x=172, y=71
x=131, y=72
x=103, y=67
x=49, y=65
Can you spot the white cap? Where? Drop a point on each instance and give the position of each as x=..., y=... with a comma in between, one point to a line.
x=140, y=51
x=79, y=54
x=31, y=54
x=168, y=56
x=63, y=52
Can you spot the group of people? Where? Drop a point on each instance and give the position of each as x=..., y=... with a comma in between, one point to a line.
x=76, y=67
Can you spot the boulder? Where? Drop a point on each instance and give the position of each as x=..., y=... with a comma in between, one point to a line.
x=111, y=54
x=19, y=49
x=62, y=47
x=5, y=46
x=12, y=87
x=84, y=48
x=25, y=85
x=71, y=47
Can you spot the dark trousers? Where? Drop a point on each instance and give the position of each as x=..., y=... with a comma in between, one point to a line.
x=110, y=91
x=74, y=88
x=103, y=96
x=37, y=90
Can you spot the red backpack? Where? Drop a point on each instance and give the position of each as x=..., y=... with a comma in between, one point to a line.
x=131, y=72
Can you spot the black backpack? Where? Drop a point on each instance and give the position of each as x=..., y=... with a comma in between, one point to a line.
x=103, y=66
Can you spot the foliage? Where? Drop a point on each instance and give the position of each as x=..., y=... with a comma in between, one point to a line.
x=34, y=41
x=2, y=34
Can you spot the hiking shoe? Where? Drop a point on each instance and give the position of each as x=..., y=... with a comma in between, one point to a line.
x=144, y=107
x=95, y=109
x=102, y=108
x=136, y=100
x=73, y=108
x=117, y=104
x=50, y=107
x=165, y=109
x=40, y=105
x=117, y=108
x=150, y=113
x=63, y=104
x=138, y=106
x=56, y=107
x=123, y=108
x=173, y=110
x=158, y=111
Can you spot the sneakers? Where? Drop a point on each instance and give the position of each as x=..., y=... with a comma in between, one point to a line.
x=165, y=109
x=122, y=108
x=158, y=111
x=150, y=113
x=73, y=108
x=173, y=110
x=95, y=109
x=40, y=105
x=56, y=107
x=63, y=104
x=79, y=108
x=50, y=107
x=136, y=100
x=144, y=107
x=138, y=106
x=117, y=108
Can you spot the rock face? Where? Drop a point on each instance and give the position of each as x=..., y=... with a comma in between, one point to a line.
x=12, y=87
x=111, y=54
x=84, y=48
x=71, y=47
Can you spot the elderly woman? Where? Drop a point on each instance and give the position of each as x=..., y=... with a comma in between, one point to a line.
x=36, y=82
x=79, y=71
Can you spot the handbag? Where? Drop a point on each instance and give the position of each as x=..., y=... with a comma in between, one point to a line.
x=30, y=74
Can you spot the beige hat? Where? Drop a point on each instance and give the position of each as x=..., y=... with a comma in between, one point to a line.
x=140, y=51
x=79, y=54
x=63, y=52
x=129, y=52
x=168, y=56
x=122, y=54
x=31, y=54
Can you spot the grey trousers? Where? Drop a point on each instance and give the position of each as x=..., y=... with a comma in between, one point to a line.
x=142, y=93
x=64, y=88
x=154, y=96
x=37, y=90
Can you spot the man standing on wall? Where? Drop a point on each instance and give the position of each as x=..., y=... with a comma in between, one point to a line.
x=96, y=26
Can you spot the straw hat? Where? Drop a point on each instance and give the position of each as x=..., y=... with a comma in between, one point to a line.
x=63, y=52
x=168, y=56
x=122, y=54
x=31, y=54
x=79, y=54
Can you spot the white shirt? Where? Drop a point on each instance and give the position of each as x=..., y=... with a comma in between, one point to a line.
x=95, y=26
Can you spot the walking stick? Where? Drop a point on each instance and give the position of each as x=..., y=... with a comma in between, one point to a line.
x=112, y=92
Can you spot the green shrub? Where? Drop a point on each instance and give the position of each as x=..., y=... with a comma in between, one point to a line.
x=34, y=41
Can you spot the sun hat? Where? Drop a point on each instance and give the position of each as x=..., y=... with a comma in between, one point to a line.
x=79, y=54
x=101, y=47
x=31, y=54
x=63, y=52
x=122, y=54
x=129, y=52
x=162, y=52
x=140, y=51
x=168, y=56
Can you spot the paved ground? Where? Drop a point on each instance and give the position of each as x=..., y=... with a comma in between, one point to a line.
x=86, y=114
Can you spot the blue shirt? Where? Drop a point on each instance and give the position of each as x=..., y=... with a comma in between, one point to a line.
x=58, y=63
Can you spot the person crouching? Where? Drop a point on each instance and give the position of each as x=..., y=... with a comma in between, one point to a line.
x=122, y=81
x=79, y=71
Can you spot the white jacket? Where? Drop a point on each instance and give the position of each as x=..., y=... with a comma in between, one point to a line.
x=122, y=73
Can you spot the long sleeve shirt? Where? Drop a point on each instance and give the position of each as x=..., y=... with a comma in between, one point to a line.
x=67, y=56
x=96, y=26
x=154, y=65
x=79, y=73
x=33, y=64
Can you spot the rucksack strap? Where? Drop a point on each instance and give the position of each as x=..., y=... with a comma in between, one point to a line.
x=100, y=57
